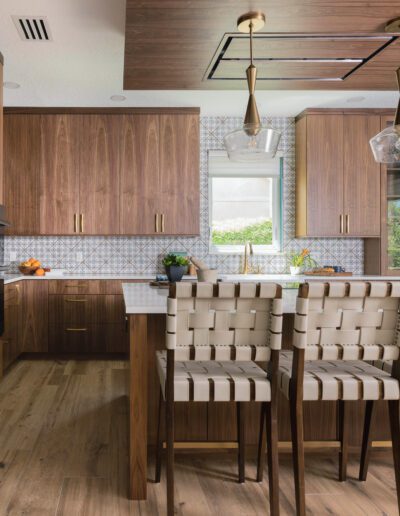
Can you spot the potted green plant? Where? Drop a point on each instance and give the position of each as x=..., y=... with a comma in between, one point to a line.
x=299, y=260
x=175, y=266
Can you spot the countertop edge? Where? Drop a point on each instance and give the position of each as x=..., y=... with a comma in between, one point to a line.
x=287, y=278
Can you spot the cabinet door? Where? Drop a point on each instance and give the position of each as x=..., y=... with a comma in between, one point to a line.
x=21, y=173
x=10, y=338
x=34, y=316
x=140, y=174
x=179, y=178
x=361, y=177
x=324, y=175
x=99, y=175
x=59, y=173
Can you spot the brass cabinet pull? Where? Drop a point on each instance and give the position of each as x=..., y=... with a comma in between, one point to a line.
x=156, y=223
x=75, y=329
x=162, y=223
x=347, y=223
x=70, y=300
x=81, y=222
x=75, y=223
x=341, y=224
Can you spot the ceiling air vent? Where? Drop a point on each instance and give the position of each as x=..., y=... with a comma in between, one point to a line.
x=32, y=28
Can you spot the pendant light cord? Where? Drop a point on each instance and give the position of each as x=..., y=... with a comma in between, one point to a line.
x=251, y=43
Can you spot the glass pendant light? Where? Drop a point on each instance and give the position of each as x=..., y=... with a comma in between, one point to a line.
x=253, y=142
x=386, y=145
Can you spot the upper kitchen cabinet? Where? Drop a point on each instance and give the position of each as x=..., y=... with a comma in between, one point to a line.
x=59, y=174
x=99, y=163
x=22, y=166
x=102, y=172
x=337, y=179
x=179, y=178
x=140, y=175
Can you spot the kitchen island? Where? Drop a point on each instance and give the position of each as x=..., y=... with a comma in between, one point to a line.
x=214, y=423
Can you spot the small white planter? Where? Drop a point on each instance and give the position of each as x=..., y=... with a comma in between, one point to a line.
x=294, y=271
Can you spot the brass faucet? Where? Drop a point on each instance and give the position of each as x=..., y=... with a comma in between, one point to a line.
x=248, y=250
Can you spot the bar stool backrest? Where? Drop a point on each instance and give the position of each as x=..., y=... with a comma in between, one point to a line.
x=354, y=320
x=224, y=321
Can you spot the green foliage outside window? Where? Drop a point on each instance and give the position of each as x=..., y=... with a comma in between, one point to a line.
x=394, y=234
x=257, y=234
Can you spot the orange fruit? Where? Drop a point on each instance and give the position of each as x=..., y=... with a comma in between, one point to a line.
x=39, y=272
x=35, y=263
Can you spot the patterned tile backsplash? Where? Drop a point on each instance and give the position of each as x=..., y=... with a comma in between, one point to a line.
x=144, y=254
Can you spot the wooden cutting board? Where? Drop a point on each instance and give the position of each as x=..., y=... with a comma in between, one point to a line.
x=322, y=273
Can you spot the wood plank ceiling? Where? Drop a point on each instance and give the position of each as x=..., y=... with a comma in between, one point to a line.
x=305, y=44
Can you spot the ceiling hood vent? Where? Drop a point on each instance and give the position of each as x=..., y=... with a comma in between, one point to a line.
x=32, y=28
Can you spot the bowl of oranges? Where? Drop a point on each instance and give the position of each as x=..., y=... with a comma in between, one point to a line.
x=32, y=267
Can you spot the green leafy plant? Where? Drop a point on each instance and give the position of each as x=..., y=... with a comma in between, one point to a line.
x=302, y=259
x=257, y=234
x=174, y=260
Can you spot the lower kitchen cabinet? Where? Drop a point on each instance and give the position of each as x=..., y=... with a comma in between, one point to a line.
x=10, y=340
x=34, y=316
x=87, y=324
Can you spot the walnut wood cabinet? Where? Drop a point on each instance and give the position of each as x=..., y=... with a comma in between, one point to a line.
x=140, y=174
x=86, y=317
x=102, y=172
x=21, y=182
x=34, y=316
x=59, y=174
x=337, y=179
x=99, y=175
x=10, y=340
x=179, y=178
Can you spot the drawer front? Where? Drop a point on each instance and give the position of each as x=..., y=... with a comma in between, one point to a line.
x=86, y=309
x=89, y=286
x=90, y=338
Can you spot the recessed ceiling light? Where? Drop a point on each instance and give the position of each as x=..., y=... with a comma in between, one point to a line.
x=11, y=85
x=118, y=98
x=355, y=99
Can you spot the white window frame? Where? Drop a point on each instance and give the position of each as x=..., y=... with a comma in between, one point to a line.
x=277, y=232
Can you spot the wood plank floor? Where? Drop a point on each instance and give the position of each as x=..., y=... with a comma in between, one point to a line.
x=63, y=452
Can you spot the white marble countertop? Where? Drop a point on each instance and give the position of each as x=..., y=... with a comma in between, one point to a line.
x=10, y=278
x=141, y=298
x=279, y=278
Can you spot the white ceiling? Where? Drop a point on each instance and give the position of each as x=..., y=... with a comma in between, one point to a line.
x=83, y=66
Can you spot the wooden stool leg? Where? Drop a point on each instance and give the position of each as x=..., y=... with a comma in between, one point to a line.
x=261, y=444
x=169, y=427
x=273, y=458
x=159, y=438
x=296, y=419
x=343, y=409
x=394, y=415
x=169, y=424
x=366, y=441
x=241, y=440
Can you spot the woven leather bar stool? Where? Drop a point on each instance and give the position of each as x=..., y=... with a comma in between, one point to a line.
x=215, y=335
x=339, y=326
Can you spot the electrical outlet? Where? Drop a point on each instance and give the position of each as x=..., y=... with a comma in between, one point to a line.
x=13, y=256
x=79, y=257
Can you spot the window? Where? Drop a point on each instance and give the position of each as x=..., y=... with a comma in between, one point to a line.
x=245, y=204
